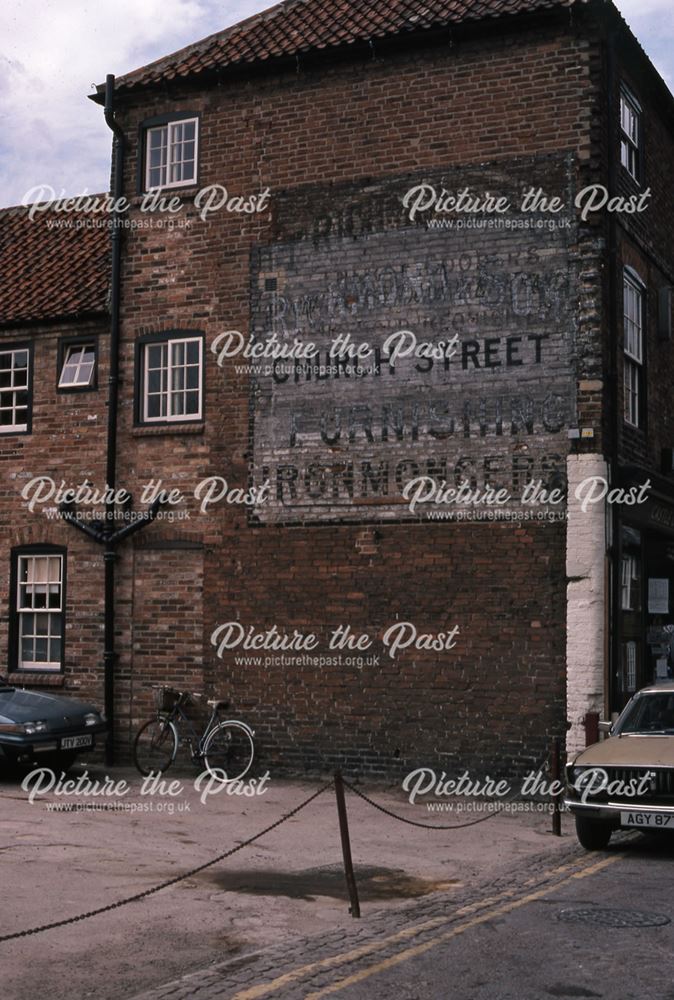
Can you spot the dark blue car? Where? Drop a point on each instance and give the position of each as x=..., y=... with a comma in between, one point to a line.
x=45, y=728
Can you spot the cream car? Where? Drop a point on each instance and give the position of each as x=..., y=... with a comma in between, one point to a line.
x=627, y=780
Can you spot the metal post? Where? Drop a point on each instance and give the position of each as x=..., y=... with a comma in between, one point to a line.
x=354, y=909
x=555, y=770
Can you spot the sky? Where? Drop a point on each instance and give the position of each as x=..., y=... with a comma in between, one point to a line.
x=52, y=52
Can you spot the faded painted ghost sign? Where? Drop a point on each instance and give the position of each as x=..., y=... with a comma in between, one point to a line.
x=339, y=438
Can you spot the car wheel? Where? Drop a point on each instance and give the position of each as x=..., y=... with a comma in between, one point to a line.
x=57, y=761
x=592, y=834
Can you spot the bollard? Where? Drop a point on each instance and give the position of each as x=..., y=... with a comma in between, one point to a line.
x=354, y=909
x=555, y=768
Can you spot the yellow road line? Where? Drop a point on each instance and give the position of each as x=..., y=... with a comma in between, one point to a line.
x=405, y=956
x=262, y=989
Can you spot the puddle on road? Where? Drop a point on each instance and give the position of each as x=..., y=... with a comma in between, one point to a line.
x=373, y=883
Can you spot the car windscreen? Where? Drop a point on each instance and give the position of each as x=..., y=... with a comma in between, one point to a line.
x=651, y=713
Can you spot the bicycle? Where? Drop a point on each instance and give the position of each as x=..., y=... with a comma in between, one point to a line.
x=225, y=747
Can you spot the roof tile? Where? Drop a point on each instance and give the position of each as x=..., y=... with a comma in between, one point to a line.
x=51, y=272
x=296, y=26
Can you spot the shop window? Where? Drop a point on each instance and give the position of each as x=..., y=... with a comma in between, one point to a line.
x=630, y=667
x=630, y=583
x=665, y=313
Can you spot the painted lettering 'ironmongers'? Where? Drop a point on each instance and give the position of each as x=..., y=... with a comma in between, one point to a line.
x=338, y=486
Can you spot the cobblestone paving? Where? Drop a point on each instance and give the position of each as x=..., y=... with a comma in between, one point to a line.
x=381, y=932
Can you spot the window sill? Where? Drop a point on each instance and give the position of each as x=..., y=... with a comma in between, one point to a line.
x=636, y=183
x=161, y=430
x=33, y=678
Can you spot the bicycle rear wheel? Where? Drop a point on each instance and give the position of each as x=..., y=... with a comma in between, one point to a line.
x=155, y=746
x=229, y=751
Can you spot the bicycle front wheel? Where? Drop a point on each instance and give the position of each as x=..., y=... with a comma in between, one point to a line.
x=155, y=746
x=229, y=751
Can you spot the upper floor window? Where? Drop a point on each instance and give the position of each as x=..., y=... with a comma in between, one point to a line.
x=171, y=153
x=14, y=389
x=630, y=134
x=171, y=377
x=633, y=347
x=38, y=610
x=77, y=365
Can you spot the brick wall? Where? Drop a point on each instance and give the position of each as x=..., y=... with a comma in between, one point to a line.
x=67, y=444
x=335, y=145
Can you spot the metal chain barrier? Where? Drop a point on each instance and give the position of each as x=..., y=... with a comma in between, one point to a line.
x=450, y=826
x=172, y=881
x=337, y=782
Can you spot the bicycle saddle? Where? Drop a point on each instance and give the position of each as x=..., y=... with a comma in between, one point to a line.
x=218, y=703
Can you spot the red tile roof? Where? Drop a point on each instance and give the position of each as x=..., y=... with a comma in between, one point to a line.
x=51, y=272
x=297, y=26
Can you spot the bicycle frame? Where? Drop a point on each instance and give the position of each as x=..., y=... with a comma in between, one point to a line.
x=178, y=716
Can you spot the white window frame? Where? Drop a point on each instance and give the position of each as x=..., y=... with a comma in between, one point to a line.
x=169, y=417
x=15, y=427
x=633, y=344
x=170, y=145
x=79, y=365
x=629, y=575
x=56, y=621
x=630, y=133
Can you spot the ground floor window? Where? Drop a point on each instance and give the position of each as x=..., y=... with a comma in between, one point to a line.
x=38, y=609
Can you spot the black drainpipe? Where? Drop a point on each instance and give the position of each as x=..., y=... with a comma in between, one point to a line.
x=109, y=655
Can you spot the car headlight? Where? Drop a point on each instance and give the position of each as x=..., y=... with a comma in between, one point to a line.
x=574, y=776
x=92, y=719
x=30, y=728
x=24, y=728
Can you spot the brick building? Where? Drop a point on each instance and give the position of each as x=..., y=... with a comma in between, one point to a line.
x=53, y=365
x=339, y=132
